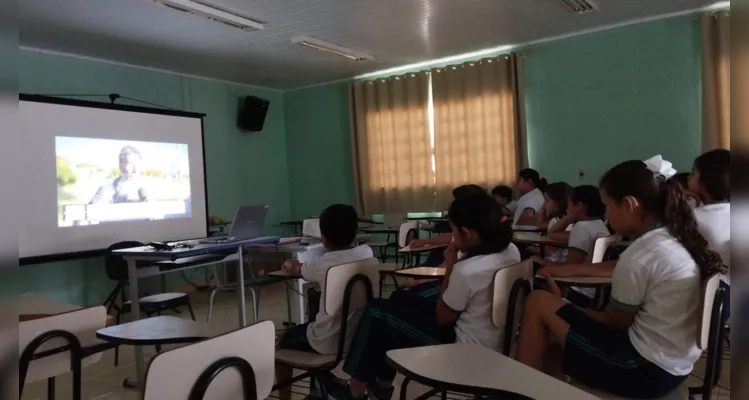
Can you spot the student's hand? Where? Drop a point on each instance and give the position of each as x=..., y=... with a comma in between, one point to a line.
x=546, y=272
x=417, y=243
x=292, y=267
x=451, y=254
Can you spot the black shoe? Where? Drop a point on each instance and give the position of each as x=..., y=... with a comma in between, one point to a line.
x=377, y=392
x=336, y=388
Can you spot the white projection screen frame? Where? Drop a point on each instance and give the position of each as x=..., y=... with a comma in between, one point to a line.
x=46, y=122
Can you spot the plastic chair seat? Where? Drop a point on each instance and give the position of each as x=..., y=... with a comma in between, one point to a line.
x=303, y=359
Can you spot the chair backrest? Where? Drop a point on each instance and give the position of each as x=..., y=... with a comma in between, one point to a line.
x=82, y=323
x=338, y=277
x=408, y=231
x=392, y=220
x=510, y=287
x=116, y=266
x=709, y=290
x=311, y=228
x=600, y=246
x=174, y=374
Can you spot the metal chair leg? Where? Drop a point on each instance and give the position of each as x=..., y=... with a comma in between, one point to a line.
x=189, y=308
x=210, y=304
x=51, y=388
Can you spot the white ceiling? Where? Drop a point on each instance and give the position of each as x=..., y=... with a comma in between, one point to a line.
x=395, y=32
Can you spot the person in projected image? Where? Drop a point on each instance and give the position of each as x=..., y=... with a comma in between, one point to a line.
x=128, y=187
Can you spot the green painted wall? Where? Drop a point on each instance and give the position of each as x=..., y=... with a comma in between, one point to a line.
x=626, y=93
x=242, y=168
x=319, y=148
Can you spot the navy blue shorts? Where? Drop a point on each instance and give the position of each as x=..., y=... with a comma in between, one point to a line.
x=604, y=359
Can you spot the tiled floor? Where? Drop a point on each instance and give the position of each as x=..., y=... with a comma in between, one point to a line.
x=103, y=381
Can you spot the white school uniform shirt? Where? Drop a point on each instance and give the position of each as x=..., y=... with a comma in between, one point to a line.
x=533, y=199
x=469, y=293
x=322, y=334
x=512, y=206
x=658, y=279
x=714, y=223
x=583, y=237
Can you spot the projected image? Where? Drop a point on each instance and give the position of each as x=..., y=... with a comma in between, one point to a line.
x=103, y=180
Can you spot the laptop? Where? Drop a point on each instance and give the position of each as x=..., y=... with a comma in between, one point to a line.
x=247, y=224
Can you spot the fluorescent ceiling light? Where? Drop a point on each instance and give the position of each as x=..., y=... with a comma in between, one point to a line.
x=439, y=61
x=210, y=12
x=719, y=5
x=331, y=48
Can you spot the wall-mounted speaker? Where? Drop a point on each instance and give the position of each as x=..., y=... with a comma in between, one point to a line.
x=251, y=114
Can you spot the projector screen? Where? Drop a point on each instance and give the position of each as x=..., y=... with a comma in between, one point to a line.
x=94, y=174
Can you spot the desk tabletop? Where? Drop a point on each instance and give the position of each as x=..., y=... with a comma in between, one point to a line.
x=380, y=229
x=421, y=272
x=164, y=329
x=582, y=280
x=149, y=253
x=527, y=228
x=535, y=238
x=469, y=367
x=409, y=249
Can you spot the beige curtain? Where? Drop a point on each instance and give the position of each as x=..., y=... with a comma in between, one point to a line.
x=716, y=78
x=391, y=145
x=476, y=130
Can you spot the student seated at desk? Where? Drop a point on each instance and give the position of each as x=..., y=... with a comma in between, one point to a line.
x=581, y=226
x=503, y=195
x=642, y=345
x=531, y=186
x=554, y=208
x=461, y=314
x=338, y=227
x=435, y=257
x=710, y=181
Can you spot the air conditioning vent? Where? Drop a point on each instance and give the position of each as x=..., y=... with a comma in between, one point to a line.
x=580, y=6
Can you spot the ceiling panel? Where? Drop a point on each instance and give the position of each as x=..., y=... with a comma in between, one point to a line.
x=395, y=32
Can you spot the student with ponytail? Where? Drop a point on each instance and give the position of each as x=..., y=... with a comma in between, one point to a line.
x=531, y=187
x=461, y=314
x=643, y=344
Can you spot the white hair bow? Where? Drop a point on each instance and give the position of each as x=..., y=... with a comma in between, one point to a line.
x=660, y=167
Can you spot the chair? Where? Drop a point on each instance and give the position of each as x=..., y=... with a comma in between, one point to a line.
x=199, y=371
x=340, y=298
x=58, y=344
x=710, y=336
x=407, y=232
x=389, y=221
x=116, y=268
x=510, y=287
x=601, y=245
x=253, y=283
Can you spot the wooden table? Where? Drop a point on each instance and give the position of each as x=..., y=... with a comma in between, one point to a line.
x=160, y=330
x=417, y=250
x=600, y=283
x=421, y=272
x=527, y=228
x=533, y=238
x=475, y=370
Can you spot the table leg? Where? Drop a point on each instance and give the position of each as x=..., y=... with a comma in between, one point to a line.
x=240, y=289
x=140, y=369
x=288, y=300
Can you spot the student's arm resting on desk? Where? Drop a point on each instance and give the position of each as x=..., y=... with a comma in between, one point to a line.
x=437, y=240
x=292, y=268
x=453, y=294
x=629, y=283
x=560, y=226
x=528, y=217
